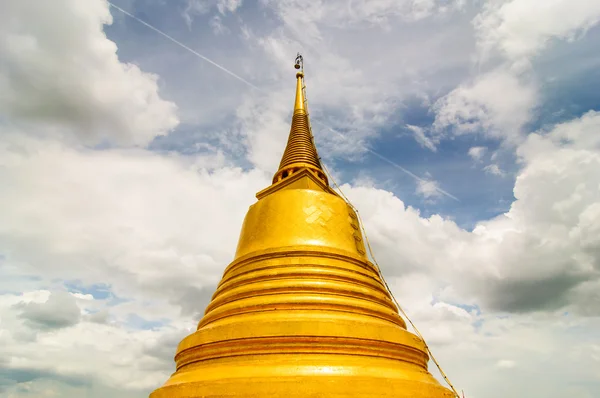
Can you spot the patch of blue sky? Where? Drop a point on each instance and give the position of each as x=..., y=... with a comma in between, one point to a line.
x=187, y=139
x=15, y=280
x=17, y=284
x=192, y=140
x=470, y=308
x=100, y=291
x=135, y=321
x=481, y=195
x=113, y=301
x=177, y=66
x=570, y=77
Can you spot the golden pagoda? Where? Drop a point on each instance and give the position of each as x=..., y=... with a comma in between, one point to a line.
x=301, y=311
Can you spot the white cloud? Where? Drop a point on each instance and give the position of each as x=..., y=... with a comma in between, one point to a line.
x=421, y=138
x=59, y=311
x=217, y=25
x=60, y=69
x=157, y=230
x=201, y=7
x=522, y=28
x=494, y=169
x=53, y=388
x=500, y=101
x=228, y=5
x=478, y=107
x=81, y=217
x=540, y=255
x=579, y=133
x=428, y=189
x=476, y=153
x=506, y=364
x=126, y=212
x=83, y=296
x=339, y=13
x=82, y=352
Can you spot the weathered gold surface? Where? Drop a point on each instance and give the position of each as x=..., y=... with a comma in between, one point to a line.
x=301, y=312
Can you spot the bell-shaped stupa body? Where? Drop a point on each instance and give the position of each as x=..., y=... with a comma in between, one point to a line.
x=301, y=312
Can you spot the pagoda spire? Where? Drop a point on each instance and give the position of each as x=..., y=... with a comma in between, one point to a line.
x=301, y=311
x=300, y=151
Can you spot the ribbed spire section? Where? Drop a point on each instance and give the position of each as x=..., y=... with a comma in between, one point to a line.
x=300, y=151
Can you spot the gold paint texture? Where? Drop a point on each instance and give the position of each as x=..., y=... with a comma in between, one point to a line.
x=301, y=312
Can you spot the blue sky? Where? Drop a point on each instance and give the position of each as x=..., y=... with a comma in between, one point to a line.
x=127, y=165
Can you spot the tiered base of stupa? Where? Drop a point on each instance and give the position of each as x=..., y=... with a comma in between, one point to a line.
x=301, y=323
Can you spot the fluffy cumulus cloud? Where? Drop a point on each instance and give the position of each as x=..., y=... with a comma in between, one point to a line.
x=500, y=99
x=109, y=253
x=477, y=152
x=522, y=28
x=428, y=189
x=57, y=355
x=521, y=284
x=58, y=67
x=540, y=255
x=119, y=223
x=476, y=107
x=494, y=169
x=140, y=239
x=59, y=311
x=89, y=243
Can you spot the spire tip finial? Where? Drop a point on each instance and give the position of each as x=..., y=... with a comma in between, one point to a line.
x=299, y=64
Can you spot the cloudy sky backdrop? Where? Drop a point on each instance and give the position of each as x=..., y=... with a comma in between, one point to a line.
x=467, y=133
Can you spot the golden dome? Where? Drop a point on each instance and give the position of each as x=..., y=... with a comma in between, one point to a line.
x=301, y=312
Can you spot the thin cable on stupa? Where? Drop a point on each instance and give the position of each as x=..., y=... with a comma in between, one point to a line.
x=362, y=226
x=391, y=162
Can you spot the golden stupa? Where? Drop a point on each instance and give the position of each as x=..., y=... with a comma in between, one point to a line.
x=301, y=311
